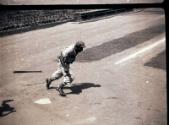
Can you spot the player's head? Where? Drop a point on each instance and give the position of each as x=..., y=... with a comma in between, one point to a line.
x=79, y=46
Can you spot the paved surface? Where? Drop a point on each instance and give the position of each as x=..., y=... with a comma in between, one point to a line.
x=120, y=77
x=26, y=2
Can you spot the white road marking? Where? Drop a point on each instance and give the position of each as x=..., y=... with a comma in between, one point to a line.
x=140, y=51
x=43, y=101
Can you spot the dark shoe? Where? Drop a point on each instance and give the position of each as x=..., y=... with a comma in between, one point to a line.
x=60, y=90
x=48, y=82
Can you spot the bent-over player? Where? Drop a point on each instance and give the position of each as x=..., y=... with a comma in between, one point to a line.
x=66, y=57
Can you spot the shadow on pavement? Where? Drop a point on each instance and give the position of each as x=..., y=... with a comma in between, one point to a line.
x=77, y=88
x=117, y=45
x=6, y=109
x=158, y=62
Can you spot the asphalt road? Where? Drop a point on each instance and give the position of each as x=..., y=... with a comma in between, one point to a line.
x=120, y=78
x=26, y=2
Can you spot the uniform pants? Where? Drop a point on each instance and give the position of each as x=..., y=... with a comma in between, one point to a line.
x=62, y=71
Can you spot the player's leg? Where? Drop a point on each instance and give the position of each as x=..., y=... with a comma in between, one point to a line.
x=60, y=89
x=67, y=79
x=56, y=75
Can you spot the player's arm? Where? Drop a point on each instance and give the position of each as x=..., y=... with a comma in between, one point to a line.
x=66, y=53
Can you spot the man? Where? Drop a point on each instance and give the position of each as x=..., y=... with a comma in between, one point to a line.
x=66, y=57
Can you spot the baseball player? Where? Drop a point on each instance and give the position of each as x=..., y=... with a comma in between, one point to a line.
x=66, y=57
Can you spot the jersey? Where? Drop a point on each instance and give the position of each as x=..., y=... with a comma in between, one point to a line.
x=69, y=54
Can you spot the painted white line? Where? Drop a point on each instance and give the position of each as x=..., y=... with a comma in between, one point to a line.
x=43, y=101
x=141, y=51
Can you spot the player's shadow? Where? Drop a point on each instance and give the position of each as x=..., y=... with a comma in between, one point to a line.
x=79, y=87
x=6, y=109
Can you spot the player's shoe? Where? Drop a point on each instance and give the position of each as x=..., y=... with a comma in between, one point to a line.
x=60, y=90
x=48, y=82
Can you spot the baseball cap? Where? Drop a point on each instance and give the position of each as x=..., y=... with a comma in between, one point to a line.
x=80, y=43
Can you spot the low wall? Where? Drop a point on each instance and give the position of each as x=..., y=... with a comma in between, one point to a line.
x=87, y=15
x=16, y=21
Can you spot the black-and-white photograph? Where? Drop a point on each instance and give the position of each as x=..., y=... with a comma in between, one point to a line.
x=82, y=66
x=54, y=2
